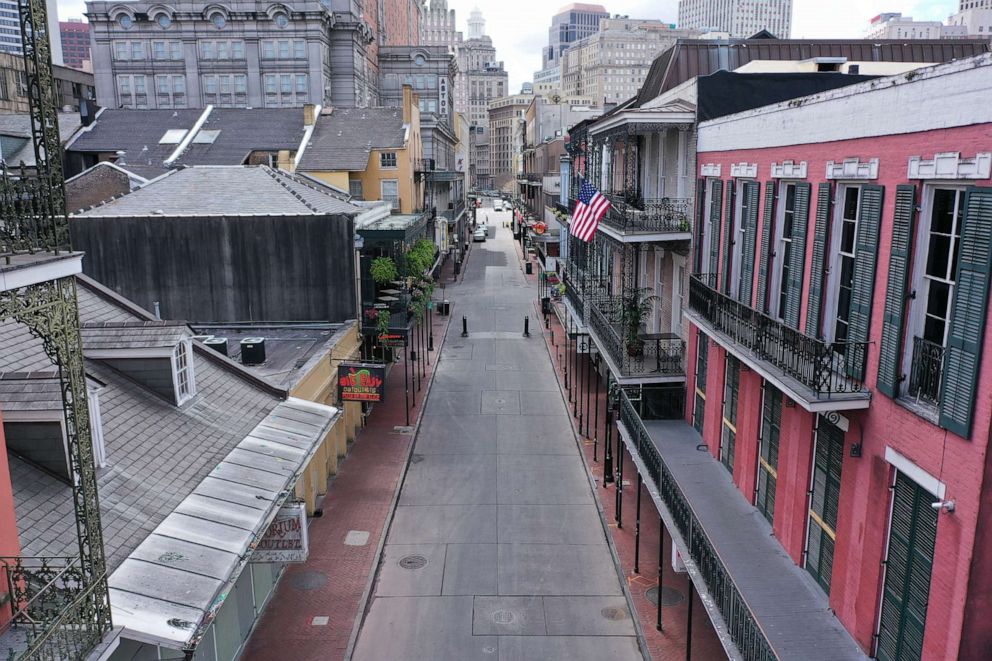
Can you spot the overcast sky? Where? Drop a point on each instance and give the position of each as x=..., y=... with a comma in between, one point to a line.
x=519, y=28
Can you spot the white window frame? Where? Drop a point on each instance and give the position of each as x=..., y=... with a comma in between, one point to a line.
x=96, y=428
x=383, y=158
x=739, y=228
x=778, y=248
x=921, y=251
x=183, y=375
x=833, y=263
x=679, y=271
x=382, y=192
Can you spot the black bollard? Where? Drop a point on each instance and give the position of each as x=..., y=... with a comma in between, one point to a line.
x=526, y=326
x=464, y=327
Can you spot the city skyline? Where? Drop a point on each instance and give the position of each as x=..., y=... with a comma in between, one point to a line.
x=519, y=43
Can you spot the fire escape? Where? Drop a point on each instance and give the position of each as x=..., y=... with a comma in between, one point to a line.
x=56, y=608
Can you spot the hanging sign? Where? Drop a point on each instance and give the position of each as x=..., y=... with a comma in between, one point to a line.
x=361, y=382
x=286, y=539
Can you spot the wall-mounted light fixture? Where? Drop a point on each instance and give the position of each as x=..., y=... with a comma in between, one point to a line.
x=946, y=505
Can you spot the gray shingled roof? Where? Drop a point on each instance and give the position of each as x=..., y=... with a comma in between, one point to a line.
x=244, y=130
x=133, y=334
x=19, y=126
x=226, y=191
x=157, y=453
x=343, y=140
x=30, y=391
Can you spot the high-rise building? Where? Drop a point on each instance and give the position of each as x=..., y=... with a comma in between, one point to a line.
x=476, y=25
x=482, y=77
x=610, y=65
x=893, y=25
x=75, y=37
x=571, y=23
x=439, y=27
x=10, y=28
x=741, y=18
x=975, y=16
x=506, y=137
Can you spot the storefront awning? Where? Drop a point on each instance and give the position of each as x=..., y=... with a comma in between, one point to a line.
x=169, y=589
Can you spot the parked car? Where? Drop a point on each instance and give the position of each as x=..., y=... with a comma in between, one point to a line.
x=480, y=234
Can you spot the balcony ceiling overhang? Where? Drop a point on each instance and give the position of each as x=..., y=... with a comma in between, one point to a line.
x=645, y=121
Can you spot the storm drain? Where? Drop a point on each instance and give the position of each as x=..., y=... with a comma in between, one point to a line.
x=413, y=562
x=614, y=614
x=308, y=580
x=669, y=596
x=504, y=617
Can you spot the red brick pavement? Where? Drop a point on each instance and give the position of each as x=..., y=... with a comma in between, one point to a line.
x=360, y=497
x=671, y=642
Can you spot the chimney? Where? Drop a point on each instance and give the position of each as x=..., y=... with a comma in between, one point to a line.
x=408, y=97
x=309, y=114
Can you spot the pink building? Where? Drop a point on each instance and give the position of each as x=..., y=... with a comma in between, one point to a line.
x=840, y=365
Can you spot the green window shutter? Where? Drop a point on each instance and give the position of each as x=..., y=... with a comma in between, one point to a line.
x=963, y=354
x=766, y=246
x=890, y=351
x=700, y=220
x=863, y=289
x=797, y=261
x=823, y=194
x=908, y=567
x=716, y=207
x=728, y=234
x=751, y=190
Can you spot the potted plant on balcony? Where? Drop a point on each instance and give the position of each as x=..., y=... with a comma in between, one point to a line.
x=634, y=310
x=383, y=270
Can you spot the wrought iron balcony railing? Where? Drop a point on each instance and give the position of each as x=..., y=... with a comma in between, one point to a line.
x=572, y=292
x=824, y=367
x=451, y=215
x=924, y=376
x=58, y=612
x=742, y=625
x=666, y=214
x=652, y=356
x=26, y=219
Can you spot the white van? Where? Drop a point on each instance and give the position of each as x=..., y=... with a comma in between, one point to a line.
x=497, y=205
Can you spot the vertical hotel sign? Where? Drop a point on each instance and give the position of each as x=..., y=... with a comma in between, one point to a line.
x=286, y=539
x=361, y=382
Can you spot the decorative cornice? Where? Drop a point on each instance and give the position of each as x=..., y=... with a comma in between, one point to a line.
x=853, y=168
x=744, y=170
x=789, y=170
x=950, y=165
x=710, y=170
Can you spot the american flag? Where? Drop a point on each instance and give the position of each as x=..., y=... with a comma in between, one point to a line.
x=589, y=209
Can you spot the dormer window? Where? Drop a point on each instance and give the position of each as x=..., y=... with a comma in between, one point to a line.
x=182, y=372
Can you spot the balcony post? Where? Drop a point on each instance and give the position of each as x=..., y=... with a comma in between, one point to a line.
x=588, y=377
x=661, y=569
x=607, y=440
x=595, y=425
x=637, y=529
x=618, y=513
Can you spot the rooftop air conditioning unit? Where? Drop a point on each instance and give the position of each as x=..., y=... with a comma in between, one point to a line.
x=218, y=344
x=253, y=351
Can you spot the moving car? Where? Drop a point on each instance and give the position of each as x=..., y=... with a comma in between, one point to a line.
x=480, y=234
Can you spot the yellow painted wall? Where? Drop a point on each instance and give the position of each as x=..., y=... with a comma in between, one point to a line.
x=336, y=179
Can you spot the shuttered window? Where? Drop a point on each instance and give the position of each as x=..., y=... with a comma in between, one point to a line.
x=765, y=259
x=819, y=266
x=699, y=231
x=702, y=361
x=890, y=351
x=728, y=432
x=845, y=246
x=716, y=208
x=771, y=426
x=828, y=456
x=729, y=237
x=863, y=289
x=908, y=565
x=968, y=312
x=749, y=217
x=797, y=256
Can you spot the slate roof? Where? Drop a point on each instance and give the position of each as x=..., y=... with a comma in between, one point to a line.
x=225, y=191
x=343, y=140
x=133, y=334
x=157, y=453
x=19, y=126
x=244, y=130
x=30, y=391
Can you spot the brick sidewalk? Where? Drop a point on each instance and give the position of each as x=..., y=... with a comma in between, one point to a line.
x=671, y=642
x=332, y=583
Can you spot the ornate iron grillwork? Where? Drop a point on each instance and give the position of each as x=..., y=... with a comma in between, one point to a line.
x=924, y=376
x=742, y=625
x=824, y=367
x=635, y=214
x=660, y=356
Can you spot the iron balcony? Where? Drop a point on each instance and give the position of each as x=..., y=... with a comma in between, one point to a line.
x=816, y=374
x=662, y=219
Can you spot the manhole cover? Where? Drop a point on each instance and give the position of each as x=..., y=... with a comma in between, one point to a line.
x=413, y=562
x=504, y=617
x=614, y=614
x=669, y=596
x=308, y=580
x=416, y=458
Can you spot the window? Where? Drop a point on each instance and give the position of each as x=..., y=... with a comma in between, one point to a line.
x=283, y=49
x=137, y=50
x=828, y=455
x=844, y=272
x=132, y=91
x=182, y=372
x=159, y=51
x=163, y=21
x=728, y=433
x=355, y=189
x=122, y=50
x=390, y=192
x=771, y=427
x=941, y=244
x=226, y=90
x=702, y=359
x=783, y=252
x=285, y=89
x=300, y=49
